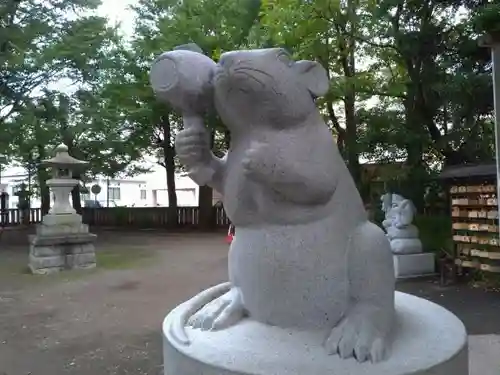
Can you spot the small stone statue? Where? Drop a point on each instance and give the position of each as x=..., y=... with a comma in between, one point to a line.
x=305, y=256
x=402, y=234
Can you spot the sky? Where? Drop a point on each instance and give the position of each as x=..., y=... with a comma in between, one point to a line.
x=117, y=11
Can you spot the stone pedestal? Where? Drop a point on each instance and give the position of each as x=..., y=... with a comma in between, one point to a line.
x=62, y=242
x=49, y=254
x=406, y=245
x=428, y=340
x=414, y=265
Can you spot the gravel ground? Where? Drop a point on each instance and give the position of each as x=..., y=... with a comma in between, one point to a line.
x=108, y=321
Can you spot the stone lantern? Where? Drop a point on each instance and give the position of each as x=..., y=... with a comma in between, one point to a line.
x=62, y=241
x=62, y=182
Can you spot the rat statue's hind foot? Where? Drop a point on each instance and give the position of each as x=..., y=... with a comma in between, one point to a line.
x=358, y=336
x=364, y=331
x=220, y=313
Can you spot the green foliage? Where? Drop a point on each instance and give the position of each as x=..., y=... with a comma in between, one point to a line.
x=408, y=80
x=487, y=19
x=444, y=73
x=61, y=42
x=435, y=233
x=40, y=42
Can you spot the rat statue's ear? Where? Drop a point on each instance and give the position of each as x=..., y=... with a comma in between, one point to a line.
x=314, y=76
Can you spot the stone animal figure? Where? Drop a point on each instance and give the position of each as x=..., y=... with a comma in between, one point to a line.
x=402, y=234
x=305, y=255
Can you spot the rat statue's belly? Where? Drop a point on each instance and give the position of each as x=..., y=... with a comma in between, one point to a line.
x=240, y=195
x=291, y=275
x=289, y=260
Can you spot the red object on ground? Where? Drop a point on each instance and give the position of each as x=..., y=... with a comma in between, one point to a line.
x=230, y=234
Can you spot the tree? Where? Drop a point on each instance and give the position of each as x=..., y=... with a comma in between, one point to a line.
x=41, y=42
x=150, y=124
x=44, y=43
x=421, y=63
x=162, y=25
x=325, y=31
x=429, y=61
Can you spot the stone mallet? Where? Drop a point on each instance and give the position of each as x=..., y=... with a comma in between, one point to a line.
x=182, y=78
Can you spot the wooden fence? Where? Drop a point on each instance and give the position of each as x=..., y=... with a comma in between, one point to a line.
x=132, y=217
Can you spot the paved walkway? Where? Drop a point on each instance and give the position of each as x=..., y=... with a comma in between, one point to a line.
x=480, y=312
x=108, y=322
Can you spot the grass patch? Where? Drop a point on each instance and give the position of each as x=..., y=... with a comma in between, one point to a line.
x=14, y=269
x=115, y=259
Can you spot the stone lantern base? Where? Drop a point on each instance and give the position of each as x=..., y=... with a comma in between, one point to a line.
x=62, y=242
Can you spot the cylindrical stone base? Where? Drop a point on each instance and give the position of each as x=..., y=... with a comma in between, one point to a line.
x=428, y=340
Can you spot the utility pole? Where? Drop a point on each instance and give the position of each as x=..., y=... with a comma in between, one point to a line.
x=3, y=197
x=493, y=41
x=107, y=192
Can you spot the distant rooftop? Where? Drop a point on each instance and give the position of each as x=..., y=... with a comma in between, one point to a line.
x=469, y=170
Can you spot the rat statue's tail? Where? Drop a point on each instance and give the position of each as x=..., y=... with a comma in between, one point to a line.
x=177, y=327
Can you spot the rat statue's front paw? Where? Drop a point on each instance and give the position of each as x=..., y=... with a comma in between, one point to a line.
x=254, y=162
x=362, y=334
x=192, y=146
x=220, y=313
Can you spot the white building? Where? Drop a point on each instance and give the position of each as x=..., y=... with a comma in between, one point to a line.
x=145, y=190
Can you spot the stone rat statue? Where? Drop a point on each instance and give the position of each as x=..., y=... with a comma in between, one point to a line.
x=305, y=255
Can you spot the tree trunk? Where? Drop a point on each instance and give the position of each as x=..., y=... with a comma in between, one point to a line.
x=43, y=176
x=169, y=163
x=349, y=65
x=206, y=211
x=414, y=185
x=338, y=129
x=8, y=20
x=351, y=138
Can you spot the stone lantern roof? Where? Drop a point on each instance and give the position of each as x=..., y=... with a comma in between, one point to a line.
x=63, y=160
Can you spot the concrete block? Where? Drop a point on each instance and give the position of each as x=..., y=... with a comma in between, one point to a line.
x=47, y=251
x=87, y=248
x=46, y=262
x=76, y=260
x=414, y=265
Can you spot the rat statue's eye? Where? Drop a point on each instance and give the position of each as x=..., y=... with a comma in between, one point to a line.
x=285, y=58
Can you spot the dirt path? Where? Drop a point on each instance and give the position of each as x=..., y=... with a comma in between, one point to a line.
x=109, y=321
